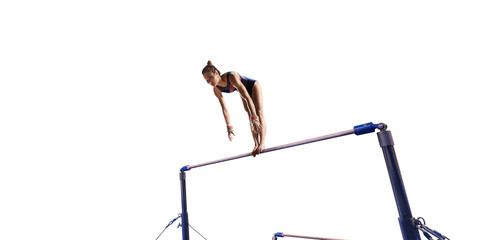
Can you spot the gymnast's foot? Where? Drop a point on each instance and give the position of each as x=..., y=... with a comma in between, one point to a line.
x=260, y=148
x=254, y=151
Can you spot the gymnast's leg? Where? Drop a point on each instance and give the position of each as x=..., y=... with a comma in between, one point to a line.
x=257, y=97
x=254, y=135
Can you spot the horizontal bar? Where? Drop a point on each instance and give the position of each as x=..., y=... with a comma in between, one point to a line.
x=289, y=145
x=299, y=236
x=358, y=130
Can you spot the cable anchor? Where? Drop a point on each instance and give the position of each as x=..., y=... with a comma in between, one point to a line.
x=420, y=224
x=168, y=225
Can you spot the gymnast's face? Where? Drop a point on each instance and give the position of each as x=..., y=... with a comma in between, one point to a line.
x=212, y=78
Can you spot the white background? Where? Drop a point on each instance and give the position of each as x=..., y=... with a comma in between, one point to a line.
x=102, y=102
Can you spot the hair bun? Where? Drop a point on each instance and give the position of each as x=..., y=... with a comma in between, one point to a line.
x=210, y=68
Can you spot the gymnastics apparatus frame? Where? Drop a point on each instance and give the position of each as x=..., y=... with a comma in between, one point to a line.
x=409, y=225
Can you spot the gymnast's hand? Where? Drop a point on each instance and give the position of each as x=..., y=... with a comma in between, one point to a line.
x=256, y=125
x=231, y=134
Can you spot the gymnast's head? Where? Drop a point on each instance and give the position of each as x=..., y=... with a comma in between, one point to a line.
x=211, y=74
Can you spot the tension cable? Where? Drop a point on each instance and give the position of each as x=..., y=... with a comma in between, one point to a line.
x=420, y=224
x=179, y=225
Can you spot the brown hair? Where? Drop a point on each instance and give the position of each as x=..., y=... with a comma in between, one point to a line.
x=210, y=68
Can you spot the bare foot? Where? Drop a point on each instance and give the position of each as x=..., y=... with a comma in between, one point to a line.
x=260, y=148
x=254, y=151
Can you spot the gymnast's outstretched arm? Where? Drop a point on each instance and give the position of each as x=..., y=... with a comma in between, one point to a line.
x=226, y=115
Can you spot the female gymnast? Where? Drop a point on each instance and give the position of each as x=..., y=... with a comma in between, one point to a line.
x=252, y=98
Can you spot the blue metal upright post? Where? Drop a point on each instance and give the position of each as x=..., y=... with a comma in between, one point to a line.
x=407, y=226
x=185, y=225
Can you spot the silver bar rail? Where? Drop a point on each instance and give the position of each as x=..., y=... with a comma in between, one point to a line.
x=279, y=234
x=358, y=130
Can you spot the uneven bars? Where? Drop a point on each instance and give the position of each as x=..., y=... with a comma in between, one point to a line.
x=358, y=130
x=279, y=234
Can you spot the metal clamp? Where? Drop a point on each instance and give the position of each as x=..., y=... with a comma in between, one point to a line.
x=168, y=225
x=420, y=224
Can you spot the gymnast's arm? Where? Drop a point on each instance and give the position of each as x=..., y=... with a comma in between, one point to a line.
x=236, y=81
x=226, y=115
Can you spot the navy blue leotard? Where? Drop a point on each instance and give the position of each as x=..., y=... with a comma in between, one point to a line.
x=247, y=82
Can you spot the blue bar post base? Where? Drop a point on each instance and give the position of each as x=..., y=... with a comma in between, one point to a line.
x=185, y=224
x=407, y=226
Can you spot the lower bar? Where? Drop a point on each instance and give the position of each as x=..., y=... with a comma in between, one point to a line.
x=279, y=234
